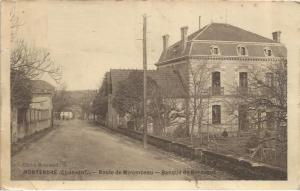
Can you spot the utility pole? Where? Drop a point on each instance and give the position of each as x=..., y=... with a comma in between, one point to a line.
x=145, y=79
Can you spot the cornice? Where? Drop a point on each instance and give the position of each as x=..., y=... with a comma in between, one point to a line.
x=209, y=57
x=237, y=42
x=242, y=58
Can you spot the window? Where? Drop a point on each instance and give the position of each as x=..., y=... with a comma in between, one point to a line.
x=216, y=114
x=242, y=51
x=216, y=83
x=268, y=51
x=216, y=79
x=270, y=79
x=243, y=79
x=214, y=50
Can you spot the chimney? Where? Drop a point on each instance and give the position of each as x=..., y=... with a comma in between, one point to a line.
x=276, y=36
x=199, y=22
x=184, y=36
x=165, y=42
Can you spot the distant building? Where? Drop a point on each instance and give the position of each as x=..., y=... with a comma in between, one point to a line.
x=39, y=114
x=66, y=115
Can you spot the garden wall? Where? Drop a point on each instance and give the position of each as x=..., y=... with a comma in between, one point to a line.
x=242, y=168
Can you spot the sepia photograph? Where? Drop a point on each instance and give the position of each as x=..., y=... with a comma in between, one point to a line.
x=151, y=91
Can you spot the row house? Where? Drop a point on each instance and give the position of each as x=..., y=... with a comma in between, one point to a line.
x=225, y=55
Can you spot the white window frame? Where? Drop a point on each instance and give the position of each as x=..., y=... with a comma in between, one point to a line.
x=212, y=50
x=238, y=49
x=266, y=50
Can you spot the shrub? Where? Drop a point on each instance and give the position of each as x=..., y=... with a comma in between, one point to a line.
x=252, y=142
x=180, y=132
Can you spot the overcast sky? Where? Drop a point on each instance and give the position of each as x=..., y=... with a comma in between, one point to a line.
x=87, y=38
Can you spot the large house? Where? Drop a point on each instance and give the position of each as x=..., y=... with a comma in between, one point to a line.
x=226, y=55
x=39, y=114
x=211, y=67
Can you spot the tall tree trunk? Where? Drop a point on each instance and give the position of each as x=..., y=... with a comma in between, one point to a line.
x=187, y=111
x=193, y=120
x=200, y=122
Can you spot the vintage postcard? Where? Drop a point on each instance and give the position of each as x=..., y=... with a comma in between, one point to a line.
x=150, y=94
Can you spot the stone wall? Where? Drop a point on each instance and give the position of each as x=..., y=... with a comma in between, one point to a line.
x=240, y=167
x=35, y=121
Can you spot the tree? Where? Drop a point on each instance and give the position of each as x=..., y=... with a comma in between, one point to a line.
x=86, y=103
x=264, y=99
x=27, y=63
x=100, y=105
x=100, y=102
x=129, y=96
x=61, y=100
x=33, y=62
x=158, y=109
x=266, y=92
x=21, y=93
x=200, y=74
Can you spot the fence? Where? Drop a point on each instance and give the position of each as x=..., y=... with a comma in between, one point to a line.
x=27, y=122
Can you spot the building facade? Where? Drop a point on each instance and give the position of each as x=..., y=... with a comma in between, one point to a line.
x=38, y=116
x=218, y=61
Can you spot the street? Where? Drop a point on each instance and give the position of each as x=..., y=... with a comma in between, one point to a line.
x=78, y=150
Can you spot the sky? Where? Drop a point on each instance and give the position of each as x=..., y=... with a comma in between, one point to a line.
x=88, y=38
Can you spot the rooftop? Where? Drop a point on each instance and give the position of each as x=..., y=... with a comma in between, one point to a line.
x=168, y=80
x=227, y=32
x=41, y=86
x=227, y=37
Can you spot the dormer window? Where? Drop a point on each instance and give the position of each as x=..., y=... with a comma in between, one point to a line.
x=268, y=51
x=214, y=50
x=242, y=51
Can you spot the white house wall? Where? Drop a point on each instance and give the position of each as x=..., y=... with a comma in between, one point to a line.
x=40, y=103
x=229, y=72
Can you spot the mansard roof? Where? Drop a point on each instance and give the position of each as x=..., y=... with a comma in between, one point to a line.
x=227, y=37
